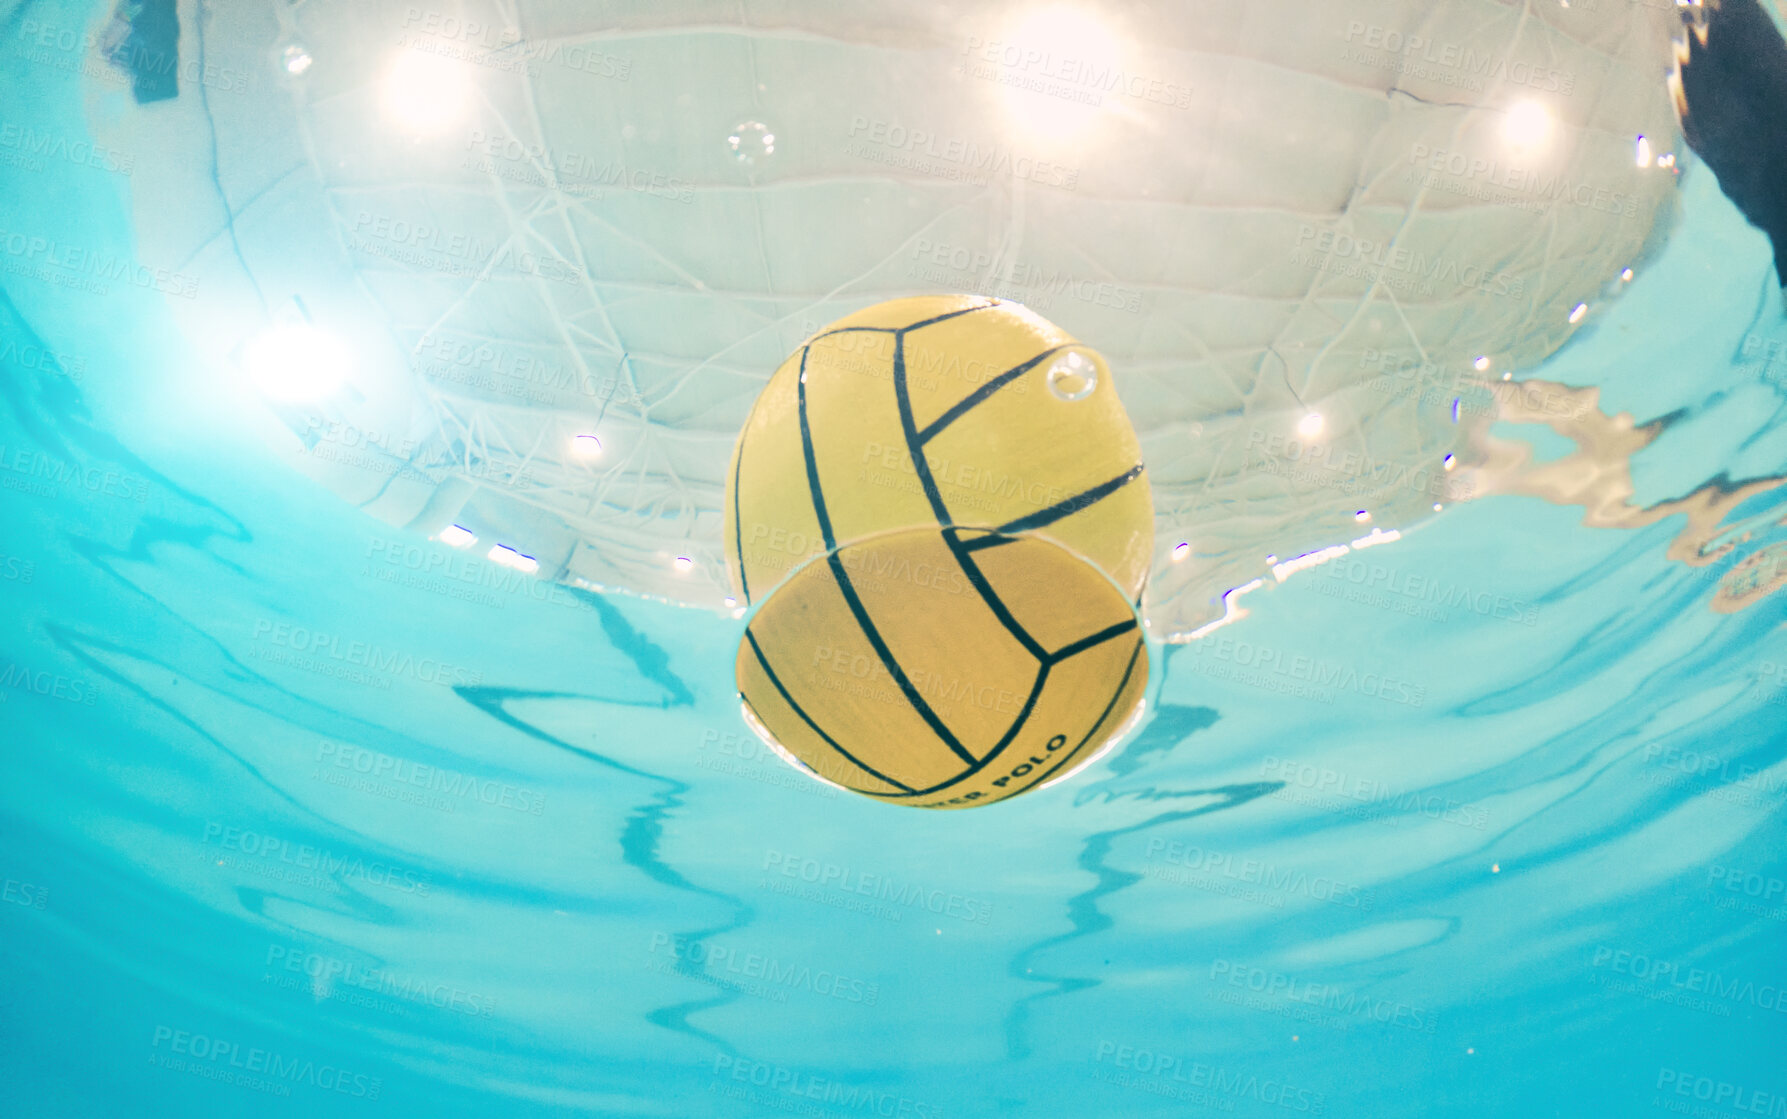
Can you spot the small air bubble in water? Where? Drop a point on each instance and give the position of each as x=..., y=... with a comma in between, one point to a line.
x=1073, y=375
x=295, y=59
x=752, y=142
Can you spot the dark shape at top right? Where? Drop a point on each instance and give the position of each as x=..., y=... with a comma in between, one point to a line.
x=1731, y=92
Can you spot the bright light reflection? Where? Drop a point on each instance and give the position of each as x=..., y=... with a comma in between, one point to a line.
x=454, y=536
x=1057, y=47
x=1231, y=611
x=509, y=557
x=425, y=92
x=1290, y=567
x=296, y=363
x=1374, y=538
x=1310, y=426
x=295, y=59
x=586, y=446
x=1528, y=125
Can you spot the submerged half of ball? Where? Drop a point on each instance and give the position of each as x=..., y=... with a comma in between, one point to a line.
x=943, y=668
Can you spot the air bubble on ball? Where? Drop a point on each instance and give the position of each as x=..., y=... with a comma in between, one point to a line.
x=751, y=141
x=1073, y=375
x=295, y=59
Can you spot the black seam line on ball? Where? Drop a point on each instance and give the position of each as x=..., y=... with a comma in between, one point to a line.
x=922, y=323
x=808, y=719
x=979, y=395
x=909, y=428
x=1085, y=643
x=1017, y=724
x=991, y=540
x=897, y=330
x=1073, y=504
x=979, y=581
x=796, y=762
x=1075, y=752
x=835, y=560
x=1042, y=677
x=806, y=447
x=1122, y=686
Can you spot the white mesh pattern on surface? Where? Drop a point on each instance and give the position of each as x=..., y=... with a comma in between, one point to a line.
x=1273, y=209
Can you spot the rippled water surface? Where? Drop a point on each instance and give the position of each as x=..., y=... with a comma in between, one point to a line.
x=305, y=815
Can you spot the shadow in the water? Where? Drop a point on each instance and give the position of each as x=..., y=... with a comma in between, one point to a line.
x=639, y=842
x=1171, y=726
x=650, y=659
x=1083, y=909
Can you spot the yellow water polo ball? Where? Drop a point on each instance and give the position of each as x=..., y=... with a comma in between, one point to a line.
x=941, y=411
x=943, y=667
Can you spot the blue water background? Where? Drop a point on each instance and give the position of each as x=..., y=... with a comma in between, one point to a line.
x=1507, y=900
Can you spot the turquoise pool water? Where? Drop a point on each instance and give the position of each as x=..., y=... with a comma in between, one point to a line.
x=303, y=815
